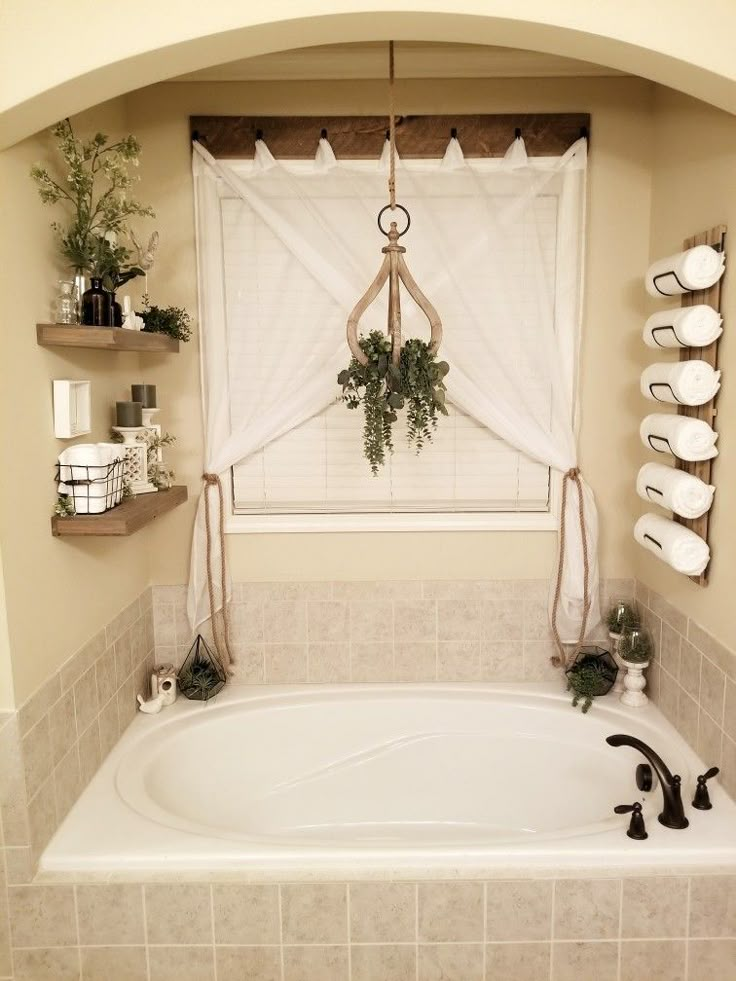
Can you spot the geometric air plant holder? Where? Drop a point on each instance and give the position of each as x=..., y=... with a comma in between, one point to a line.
x=201, y=676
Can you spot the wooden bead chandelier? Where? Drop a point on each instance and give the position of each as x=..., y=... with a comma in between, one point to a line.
x=394, y=267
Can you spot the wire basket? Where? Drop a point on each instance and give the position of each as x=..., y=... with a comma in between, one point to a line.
x=92, y=489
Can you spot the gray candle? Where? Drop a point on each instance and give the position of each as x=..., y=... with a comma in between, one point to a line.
x=145, y=394
x=128, y=414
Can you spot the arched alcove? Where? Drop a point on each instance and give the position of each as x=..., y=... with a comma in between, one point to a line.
x=77, y=70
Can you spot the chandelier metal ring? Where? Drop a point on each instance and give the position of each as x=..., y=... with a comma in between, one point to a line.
x=393, y=207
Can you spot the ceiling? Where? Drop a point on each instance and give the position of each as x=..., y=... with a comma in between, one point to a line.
x=413, y=60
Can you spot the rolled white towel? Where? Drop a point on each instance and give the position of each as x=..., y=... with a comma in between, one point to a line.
x=686, y=438
x=87, y=500
x=76, y=461
x=680, y=382
x=695, y=326
x=673, y=489
x=695, y=269
x=676, y=545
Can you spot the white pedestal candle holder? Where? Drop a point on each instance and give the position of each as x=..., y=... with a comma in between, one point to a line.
x=136, y=459
x=634, y=684
x=618, y=686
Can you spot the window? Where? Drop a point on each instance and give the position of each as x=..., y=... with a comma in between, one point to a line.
x=466, y=477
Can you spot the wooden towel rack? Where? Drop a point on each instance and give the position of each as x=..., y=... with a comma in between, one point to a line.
x=716, y=237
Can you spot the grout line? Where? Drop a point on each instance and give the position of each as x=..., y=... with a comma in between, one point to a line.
x=76, y=924
x=145, y=932
x=620, y=925
x=416, y=924
x=687, y=926
x=212, y=930
x=347, y=915
x=485, y=926
x=281, y=933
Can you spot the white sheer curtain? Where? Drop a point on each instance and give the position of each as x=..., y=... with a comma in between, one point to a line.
x=512, y=355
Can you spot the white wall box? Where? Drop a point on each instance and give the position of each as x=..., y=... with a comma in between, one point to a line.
x=72, y=408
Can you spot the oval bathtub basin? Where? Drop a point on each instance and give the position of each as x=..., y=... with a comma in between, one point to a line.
x=390, y=772
x=383, y=767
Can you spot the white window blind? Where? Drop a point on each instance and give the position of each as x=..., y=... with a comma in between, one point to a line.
x=319, y=466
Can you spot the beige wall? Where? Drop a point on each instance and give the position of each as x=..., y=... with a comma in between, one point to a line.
x=617, y=252
x=58, y=592
x=694, y=171
x=659, y=40
x=6, y=669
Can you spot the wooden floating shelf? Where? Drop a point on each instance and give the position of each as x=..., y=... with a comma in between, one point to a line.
x=104, y=338
x=132, y=514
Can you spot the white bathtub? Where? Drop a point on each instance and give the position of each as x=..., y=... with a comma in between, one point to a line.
x=385, y=779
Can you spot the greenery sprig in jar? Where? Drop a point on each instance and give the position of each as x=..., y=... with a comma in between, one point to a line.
x=383, y=389
x=94, y=189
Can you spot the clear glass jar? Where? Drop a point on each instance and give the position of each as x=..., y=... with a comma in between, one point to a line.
x=65, y=305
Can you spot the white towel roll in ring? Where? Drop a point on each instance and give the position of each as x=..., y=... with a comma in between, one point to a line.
x=695, y=326
x=683, y=437
x=695, y=269
x=692, y=382
x=676, y=545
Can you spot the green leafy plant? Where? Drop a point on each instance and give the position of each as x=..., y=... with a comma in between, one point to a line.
x=64, y=507
x=95, y=192
x=384, y=389
x=173, y=321
x=622, y=617
x=158, y=473
x=635, y=647
x=593, y=674
x=586, y=682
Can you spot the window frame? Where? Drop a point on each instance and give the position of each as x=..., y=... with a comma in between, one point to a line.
x=230, y=129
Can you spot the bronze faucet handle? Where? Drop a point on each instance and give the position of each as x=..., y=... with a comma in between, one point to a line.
x=701, y=800
x=637, y=829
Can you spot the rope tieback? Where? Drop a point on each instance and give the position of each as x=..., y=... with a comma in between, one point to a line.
x=572, y=476
x=222, y=641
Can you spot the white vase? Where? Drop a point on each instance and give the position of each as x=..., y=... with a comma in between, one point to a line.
x=620, y=663
x=634, y=684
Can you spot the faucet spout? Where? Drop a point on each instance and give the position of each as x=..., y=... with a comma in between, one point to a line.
x=673, y=813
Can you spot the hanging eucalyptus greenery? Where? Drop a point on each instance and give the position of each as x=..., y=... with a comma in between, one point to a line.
x=383, y=389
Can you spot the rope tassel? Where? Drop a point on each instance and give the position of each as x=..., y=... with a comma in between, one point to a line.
x=561, y=659
x=222, y=644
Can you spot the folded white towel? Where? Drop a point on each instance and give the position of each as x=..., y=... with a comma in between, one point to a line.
x=695, y=269
x=680, y=382
x=91, y=499
x=686, y=438
x=676, y=545
x=695, y=326
x=674, y=489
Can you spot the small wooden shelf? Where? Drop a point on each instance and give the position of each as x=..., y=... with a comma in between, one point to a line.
x=104, y=338
x=124, y=519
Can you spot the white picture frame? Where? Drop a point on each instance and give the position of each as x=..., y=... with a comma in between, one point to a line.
x=72, y=408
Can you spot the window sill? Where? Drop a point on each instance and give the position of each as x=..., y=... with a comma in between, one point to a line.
x=249, y=524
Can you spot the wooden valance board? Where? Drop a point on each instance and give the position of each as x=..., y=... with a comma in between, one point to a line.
x=716, y=237
x=362, y=137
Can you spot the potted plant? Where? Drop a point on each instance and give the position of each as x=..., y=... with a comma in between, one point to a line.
x=173, y=321
x=636, y=651
x=592, y=674
x=383, y=389
x=94, y=188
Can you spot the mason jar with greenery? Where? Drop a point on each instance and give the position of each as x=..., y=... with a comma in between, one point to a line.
x=93, y=186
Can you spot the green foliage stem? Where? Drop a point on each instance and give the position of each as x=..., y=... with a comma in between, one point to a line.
x=383, y=389
x=94, y=191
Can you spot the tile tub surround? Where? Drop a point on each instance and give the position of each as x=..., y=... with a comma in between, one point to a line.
x=53, y=745
x=612, y=929
x=328, y=632
x=693, y=681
